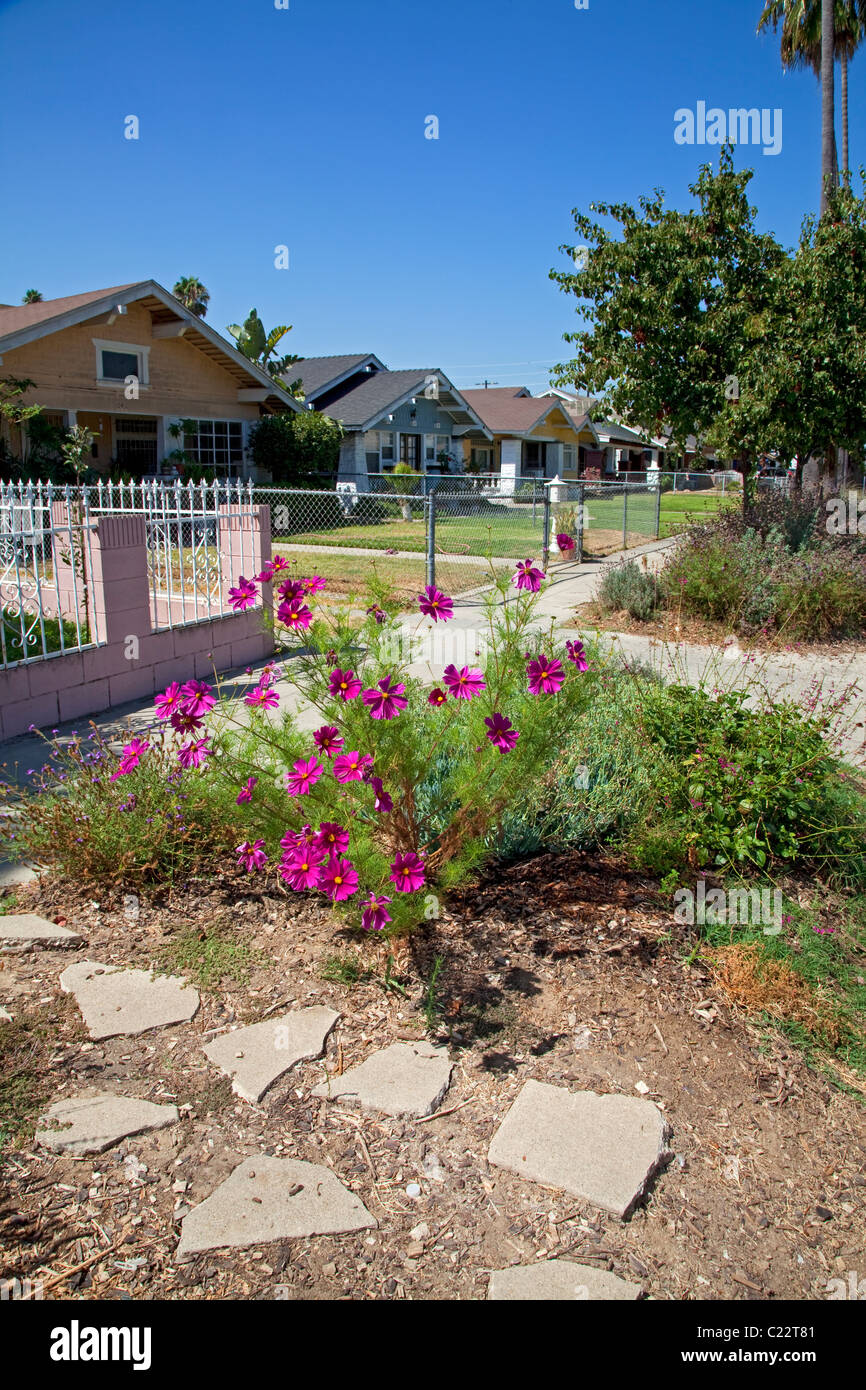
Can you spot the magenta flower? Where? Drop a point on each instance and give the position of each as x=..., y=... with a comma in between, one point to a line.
x=387, y=701
x=437, y=697
x=251, y=856
x=314, y=585
x=303, y=869
x=436, y=605
x=244, y=596
x=170, y=701
x=291, y=590
x=295, y=615
x=502, y=733
x=463, y=684
x=407, y=873
x=294, y=840
x=345, y=684
x=332, y=838
x=185, y=723
x=304, y=778
x=374, y=916
x=577, y=655
x=526, y=576
x=246, y=791
x=378, y=613
x=262, y=698
x=382, y=802
x=339, y=879
x=565, y=542
x=328, y=740
x=350, y=767
x=279, y=562
x=130, y=757
x=198, y=698
x=194, y=754
x=545, y=676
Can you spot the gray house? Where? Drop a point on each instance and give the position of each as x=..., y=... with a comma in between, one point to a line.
x=415, y=416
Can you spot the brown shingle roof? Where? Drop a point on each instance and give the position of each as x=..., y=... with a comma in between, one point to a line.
x=18, y=316
x=505, y=414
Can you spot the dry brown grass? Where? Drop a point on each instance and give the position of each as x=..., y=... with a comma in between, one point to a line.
x=759, y=984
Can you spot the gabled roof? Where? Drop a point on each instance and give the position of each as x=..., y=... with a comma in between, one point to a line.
x=320, y=374
x=368, y=403
x=519, y=415
x=26, y=323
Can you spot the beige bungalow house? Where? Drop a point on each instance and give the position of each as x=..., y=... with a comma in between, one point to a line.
x=533, y=437
x=129, y=363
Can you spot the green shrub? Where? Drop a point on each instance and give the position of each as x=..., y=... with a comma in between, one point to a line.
x=823, y=595
x=626, y=587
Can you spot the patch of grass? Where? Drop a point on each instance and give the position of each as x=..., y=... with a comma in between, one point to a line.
x=758, y=983
x=208, y=955
x=26, y=1044
x=8, y=904
x=344, y=970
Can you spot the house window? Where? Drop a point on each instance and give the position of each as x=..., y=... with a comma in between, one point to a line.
x=534, y=455
x=434, y=445
x=569, y=458
x=386, y=447
x=116, y=362
x=481, y=460
x=217, y=444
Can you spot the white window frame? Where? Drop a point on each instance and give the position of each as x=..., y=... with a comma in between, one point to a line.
x=569, y=458
x=230, y=463
x=384, y=436
x=109, y=345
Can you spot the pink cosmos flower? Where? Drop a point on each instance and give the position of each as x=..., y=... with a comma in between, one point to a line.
x=387, y=701
x=526, y=576
x=382, y=802
x=251, y=856
x=262, y=698
x=185, y=723
x=279, y=562
x=304, y=777
x=345, y=684
x=332, y=838
x=292, y=590
x=545, y=676
x=303, y=869
x=194, y=754
x=339, y=879
x=170, y=701
x=270, y=673
x=374, y=916
x=577, y=654
x=294, y=840
x=436, y=605
x=565, y=542
x=378, y=613
x=350, y=767
x=246, y=791
x=244, y=596
x=130, y=757
x=314, y=585
x=407, y=873
x=437, y=697
x=328, y=740
x=463, y=684
x=198, y=698
x=294, y=614
x=502, y=733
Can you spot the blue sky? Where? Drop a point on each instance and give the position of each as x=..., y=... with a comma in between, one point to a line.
x=305, y=127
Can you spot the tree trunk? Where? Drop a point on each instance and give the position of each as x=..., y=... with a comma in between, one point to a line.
x=828, y=140
x=846, y=173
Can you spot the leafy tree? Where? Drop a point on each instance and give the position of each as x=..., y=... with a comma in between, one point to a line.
x=192, y=294
x=32, y=297
x=669, y=303
x=259, y=346
x=294, y=446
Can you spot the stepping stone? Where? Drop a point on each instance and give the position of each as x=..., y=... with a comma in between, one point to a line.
x=403, y=1079
x=115, y=1001
x=557, y=1280
x=24, y=931
x=96, y=1122
x=257, y=1056
x=604, y=1149
x=14, y=875
x=268, y=1199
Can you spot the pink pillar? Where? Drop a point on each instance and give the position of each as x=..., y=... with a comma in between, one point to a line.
x=119, y=598
x=244, y=544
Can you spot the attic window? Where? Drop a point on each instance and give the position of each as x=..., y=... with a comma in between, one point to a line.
x=117, y=362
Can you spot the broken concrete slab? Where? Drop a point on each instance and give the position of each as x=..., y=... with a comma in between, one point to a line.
x=257, y=1056
x=25, y=931
x=604, y=1149
x=14, y=874
x=92, y=1124
x=115, y=1001
x=403, y=1079
x=558, y=1280
x=268, y=1199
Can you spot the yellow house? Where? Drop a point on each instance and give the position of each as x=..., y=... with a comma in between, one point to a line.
x=533, y=437
x=130, y=363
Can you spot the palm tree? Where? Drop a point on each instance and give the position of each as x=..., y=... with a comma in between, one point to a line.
x=32, y=297
x=801, y=46
x=192, y=294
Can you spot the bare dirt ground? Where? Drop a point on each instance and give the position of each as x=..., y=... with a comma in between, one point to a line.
x=560, y=969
